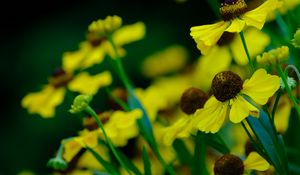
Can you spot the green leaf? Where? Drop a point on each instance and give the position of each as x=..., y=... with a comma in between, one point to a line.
x=265, y=134
x=111, y=169
x=182, y=152
x=199, y=161
x=129, y=164
x=146, y=161
x=215, y=141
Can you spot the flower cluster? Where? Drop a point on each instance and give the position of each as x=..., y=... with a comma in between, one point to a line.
x=225, y=115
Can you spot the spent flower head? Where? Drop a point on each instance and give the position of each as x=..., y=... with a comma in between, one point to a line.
x=80, y=103
x=57, y=163
x=274, y=56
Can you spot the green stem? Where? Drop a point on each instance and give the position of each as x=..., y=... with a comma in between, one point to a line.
x=120, y=69
x=90, y=111
x=117, y=100
x=275, y=107
x=255, y=144
x=287, y=88
x=247, y=52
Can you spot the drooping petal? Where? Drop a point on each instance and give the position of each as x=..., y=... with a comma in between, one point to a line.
x=212, y=116
x=71, y=148
x=261, y=86
x=255, y=162
x=87, y=84
x=129, y=33
x=206, y=36
x=45, y=101
x=236, y=25
x=240, y=109
x=257, y=17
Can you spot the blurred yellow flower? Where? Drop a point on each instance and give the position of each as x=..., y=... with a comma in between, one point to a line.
x=228, y=100
x=96, y=47
x=167, y=61
x=235, y=20
x=45, y=101
x=122, y=126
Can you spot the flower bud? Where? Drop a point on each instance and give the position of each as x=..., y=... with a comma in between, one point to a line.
x=296, y=40
x=80, y=103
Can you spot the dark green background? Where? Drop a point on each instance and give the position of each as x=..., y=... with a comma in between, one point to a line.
x=36, y=34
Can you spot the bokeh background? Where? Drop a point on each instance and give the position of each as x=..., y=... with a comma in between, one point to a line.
x=36, y=34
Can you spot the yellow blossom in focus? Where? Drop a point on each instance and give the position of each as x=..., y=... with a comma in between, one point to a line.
x=260, y=87
x=167, y=61
x=96, y=47
x=206, y=36
x=122, y=126
x=274, y=56
x=45, y=101
x=255, y=162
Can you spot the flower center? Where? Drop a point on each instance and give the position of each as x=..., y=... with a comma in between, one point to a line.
x=226, y=85
x=95, y=39
x=231, y=9
x=228, y=165
x=60, y=78
x=192, y=99
x=226, y=38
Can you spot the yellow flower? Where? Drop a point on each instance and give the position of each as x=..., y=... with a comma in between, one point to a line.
x=235, y=20
x=167, y=61
x=227, y=100
x=74, y=145
x=122, y=126
x=96, y=47
x=231, y=164
x=45, y=101
x=274, y=56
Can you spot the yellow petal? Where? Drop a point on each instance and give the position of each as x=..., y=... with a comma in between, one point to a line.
x=261, y=86
x=206, y=36
x=212, y=116
x=129, y=33
x=257, y=17
x=255, y=162
x=240, y=109
x=87, y=84
x=180, y=129
x=45, y=101
x=71, y=148
x=236, y=26
x=256, y=40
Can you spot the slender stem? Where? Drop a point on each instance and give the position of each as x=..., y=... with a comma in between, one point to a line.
x=117, y=100
x=247, y=52
x=275, y=107
x=287, y=88
x=255, y=144
x=60, y=151
x=120, y=69
x=111, y=146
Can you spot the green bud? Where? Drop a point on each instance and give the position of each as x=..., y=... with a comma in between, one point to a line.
x=291, y=83
x=296, y=40
x=80, y=103
x=57, y=163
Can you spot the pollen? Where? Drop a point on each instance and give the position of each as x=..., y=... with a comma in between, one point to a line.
x=231, y=9
x=226, y=85
x=228, y=165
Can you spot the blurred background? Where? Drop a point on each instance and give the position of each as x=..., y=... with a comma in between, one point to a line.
x=34, y=37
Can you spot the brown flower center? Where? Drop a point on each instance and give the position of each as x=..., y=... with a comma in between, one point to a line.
x=192, y=99
x=226, y=85
x=229, y=165
x=231, y=9
x=95, y=39
x=60, y=78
